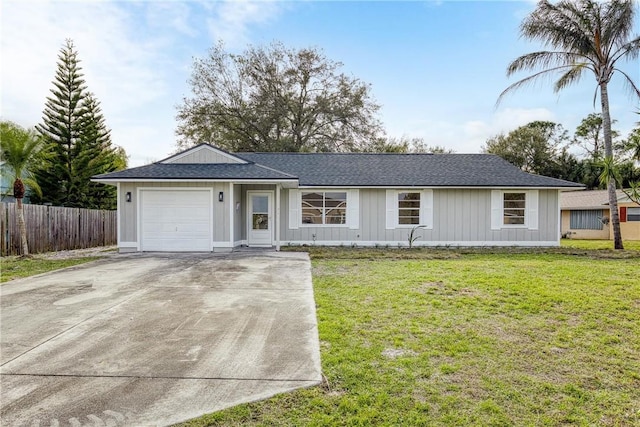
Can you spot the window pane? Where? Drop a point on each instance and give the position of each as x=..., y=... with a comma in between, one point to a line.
x=514, y=196
x=260, y=221
x=409, y=212
x=336, y=216
x=513, y=220
x=514, y=208
x=409, y=204
x=513, y=204
x=408, y=220
x=311, y=216
x=408, y=208
x=314, y=198
x=336, y=196
x=585, y=220
x=260, y=204
x=408, y=196
x=633, y=214
x=324, y=208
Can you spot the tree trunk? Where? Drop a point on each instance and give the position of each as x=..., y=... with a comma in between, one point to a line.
x=22, y=227
x=608, y=153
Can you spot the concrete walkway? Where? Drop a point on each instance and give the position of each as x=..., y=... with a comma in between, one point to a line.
x=155, y=339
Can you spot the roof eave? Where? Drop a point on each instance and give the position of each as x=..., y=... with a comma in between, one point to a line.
x=287, y=182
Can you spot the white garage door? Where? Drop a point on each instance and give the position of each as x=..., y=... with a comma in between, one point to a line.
x=175, y=220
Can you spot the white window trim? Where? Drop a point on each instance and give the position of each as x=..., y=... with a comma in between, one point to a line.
x=392, y=209
x=352, y=212
x=530, y=206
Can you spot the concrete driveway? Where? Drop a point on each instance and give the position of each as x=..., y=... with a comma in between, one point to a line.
x=155, y=339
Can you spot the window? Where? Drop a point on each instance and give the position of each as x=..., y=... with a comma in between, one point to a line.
x=408, y=208
x=514, y=208
x=633, y=214
x=585, y=220
x=323, y=207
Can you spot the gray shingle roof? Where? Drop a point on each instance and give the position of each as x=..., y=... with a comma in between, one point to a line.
x=378, y=170
x=230, y=171
x=353, y=169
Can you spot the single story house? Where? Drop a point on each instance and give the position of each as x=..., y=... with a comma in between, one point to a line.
x=585, y=215
x=206, y=199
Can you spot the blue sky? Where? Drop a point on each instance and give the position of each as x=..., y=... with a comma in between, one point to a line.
x=436, y=67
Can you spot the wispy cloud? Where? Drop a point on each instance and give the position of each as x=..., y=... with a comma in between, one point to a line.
x=232, y=21
x=477, y=132
x=125, y=62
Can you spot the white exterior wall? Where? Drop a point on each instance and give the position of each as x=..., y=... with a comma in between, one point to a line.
x=460, y=217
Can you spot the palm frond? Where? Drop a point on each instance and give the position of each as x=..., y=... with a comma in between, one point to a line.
x=619, y=18
x=33, y=185
x=570, y=77
x=629, y=84
x=564, y=25
x=629, y=50
x=529, y=80
x=544, y=59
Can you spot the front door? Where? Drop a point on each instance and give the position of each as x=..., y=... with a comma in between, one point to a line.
x=260, y=218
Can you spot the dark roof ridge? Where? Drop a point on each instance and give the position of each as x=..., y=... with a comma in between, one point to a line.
x=240, y=153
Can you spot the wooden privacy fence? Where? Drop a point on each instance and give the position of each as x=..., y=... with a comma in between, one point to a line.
x=53, y=228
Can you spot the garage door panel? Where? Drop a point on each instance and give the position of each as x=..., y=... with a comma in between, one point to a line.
x=176, y=220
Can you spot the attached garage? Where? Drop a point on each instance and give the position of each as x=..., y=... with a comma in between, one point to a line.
x=176, y=220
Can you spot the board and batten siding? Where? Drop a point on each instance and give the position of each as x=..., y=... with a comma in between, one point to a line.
x=459, y=215
x=128, y=231
x=204, y=156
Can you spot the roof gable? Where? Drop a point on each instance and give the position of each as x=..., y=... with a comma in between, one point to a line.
x=203, y=154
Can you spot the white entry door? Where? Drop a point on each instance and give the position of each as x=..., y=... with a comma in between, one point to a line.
x=260, y=218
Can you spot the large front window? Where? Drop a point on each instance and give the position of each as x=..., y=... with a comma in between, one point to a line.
x=633, y=214
x=324, y=207
x=585, y=220
x=408, y=208
x=514, y=205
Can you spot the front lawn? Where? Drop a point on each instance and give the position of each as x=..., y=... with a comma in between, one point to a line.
x=599, y=244
x=468, y=338
x=15, y=267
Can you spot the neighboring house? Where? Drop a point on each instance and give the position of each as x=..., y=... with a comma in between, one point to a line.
x=6, y=185
x=205, y=199
x=585, y=215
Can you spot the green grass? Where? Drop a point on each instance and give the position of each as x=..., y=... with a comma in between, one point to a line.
x=477, y=338
x=599, y=244
x=17, y=267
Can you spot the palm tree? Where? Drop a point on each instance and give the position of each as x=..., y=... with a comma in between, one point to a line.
x=584, y=35
x=20, y=151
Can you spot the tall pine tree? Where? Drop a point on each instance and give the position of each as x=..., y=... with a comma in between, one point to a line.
x=75, y=133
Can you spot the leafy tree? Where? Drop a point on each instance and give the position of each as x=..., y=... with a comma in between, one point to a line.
x=276, y=99
x=589, y=136
x=632, y=145
x=74, y=131
x=21, y=150
x=406, y=145
x=535, y=148
x=584, y=35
